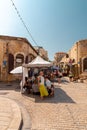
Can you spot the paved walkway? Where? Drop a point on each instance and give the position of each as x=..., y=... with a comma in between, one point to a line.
x=10, y=115
x=67, y=110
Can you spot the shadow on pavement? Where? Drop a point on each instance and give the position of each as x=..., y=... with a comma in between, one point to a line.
x=60, y=96
x=10, y=86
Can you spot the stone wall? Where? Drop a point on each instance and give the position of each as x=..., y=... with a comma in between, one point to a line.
x=14, y=46
x=77, y=53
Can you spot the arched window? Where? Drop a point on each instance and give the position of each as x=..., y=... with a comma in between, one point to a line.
x=85, y=64
x=19, y=60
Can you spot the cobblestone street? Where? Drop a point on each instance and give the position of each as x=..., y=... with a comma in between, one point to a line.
x=67, y=110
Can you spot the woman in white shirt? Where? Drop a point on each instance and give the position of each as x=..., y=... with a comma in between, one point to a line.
x=42, y=88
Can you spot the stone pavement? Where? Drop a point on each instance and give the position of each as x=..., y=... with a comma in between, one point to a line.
x=10, y=115
x=67, y=110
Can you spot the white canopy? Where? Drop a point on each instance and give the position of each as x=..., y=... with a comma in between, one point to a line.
x=17, y=70
x=38, y=62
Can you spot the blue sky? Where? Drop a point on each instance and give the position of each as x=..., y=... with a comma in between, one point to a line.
x=54, y=24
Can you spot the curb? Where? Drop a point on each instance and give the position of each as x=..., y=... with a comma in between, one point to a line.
x=15, y=113
x=17, y=117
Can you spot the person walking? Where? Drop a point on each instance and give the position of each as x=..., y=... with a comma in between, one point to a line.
x=42, y=88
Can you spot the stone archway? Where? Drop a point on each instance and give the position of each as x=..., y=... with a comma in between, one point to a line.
x=19, y=60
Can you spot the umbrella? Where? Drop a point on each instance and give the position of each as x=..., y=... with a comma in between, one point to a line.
x=17, y=70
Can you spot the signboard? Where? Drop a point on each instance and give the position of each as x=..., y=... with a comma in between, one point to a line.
x=19, y=60
x=4, y=63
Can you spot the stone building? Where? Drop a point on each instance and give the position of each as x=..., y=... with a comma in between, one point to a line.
x=14, y=51
x=77, y=58
x=58, y=56
x=42, y=52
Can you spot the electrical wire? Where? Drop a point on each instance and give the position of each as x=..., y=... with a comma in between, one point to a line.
x=23, y=22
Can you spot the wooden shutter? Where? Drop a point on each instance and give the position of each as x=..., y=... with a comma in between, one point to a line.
x=10, y=62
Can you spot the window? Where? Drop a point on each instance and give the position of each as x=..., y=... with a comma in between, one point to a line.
x=19, y=59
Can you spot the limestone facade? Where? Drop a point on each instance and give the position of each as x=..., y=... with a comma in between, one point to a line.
x=58, y=57
x=14, y=51
x=77, y=59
